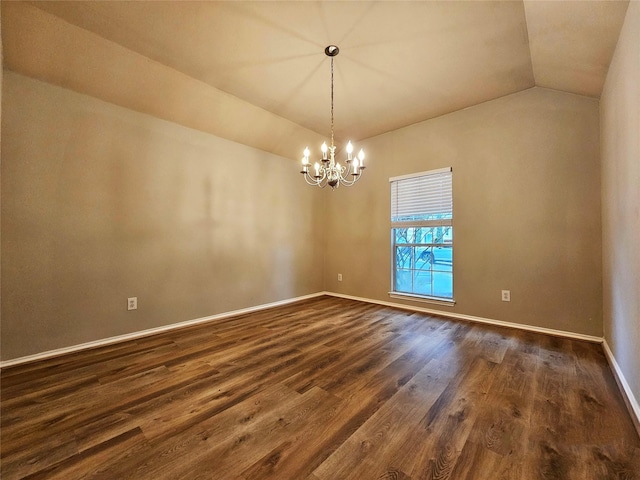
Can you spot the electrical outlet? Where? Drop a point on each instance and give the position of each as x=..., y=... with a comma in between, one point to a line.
x=132, y=303
x=506, y=295
x=339, y=277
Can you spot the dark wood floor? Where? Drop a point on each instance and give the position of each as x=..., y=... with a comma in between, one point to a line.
x=323, y=389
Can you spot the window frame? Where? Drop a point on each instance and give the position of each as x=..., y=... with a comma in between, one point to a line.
x=421, y=223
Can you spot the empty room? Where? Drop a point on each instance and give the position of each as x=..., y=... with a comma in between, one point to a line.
x=320, y=240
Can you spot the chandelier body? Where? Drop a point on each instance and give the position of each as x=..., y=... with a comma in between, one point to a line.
x=327, y=171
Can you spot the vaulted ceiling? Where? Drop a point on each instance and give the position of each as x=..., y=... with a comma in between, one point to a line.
x=399, y=62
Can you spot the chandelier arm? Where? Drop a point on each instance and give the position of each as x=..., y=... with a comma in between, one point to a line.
x=354, y=176
x=345, y=174
x=359, y=169
x=322, y=182
x=346, y=170
x=311, y=180
x=348, y=183
x=318, y=182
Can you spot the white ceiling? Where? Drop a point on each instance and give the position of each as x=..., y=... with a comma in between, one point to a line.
x=399, y=62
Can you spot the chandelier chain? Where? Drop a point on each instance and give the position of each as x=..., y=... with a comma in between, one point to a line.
x=332, y=102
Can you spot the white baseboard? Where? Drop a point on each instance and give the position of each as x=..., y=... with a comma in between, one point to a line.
x=459, y=316
x=630, y=399
x=166, y=328
x=145, y=333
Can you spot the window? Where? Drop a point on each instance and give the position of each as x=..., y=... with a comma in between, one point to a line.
x=422, y=235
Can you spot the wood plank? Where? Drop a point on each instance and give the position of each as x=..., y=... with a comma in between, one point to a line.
x=497, y=442
x=325, y=388
x=373, y=445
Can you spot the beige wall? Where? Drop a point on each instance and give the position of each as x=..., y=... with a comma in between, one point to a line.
x=100, y=203
x=526, y=180
x=620, y=133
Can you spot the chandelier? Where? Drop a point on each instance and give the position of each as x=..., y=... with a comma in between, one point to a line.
x=327, y=171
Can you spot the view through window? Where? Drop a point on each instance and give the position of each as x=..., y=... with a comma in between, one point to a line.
x=422, y=234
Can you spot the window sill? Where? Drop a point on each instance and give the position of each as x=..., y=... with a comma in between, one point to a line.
x=422, y=298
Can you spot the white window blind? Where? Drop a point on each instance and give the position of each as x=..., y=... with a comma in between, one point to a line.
x=422, y=196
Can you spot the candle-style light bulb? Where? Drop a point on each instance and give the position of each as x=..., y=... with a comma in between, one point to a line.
x=361, y=157
x=307, y=152
x=324, y=150
x=349, y=151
